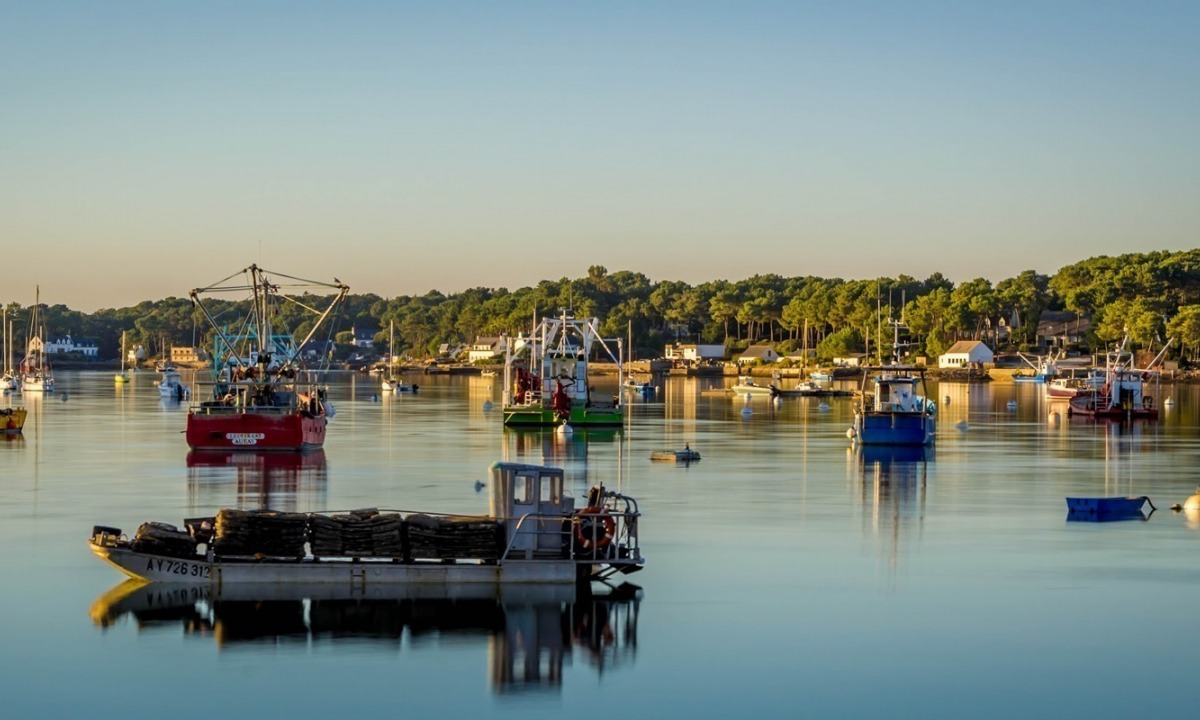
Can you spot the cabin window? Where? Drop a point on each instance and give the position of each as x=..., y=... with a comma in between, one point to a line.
x=523, y=489
x=551, y=489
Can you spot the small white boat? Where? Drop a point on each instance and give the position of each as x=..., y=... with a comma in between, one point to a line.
x=645, y=388
x=9, y=380
x=746, y=386
x=398, y=386
x=533, y=534
x=36, y=375
x=171, y=386
x=808, y=388
x=390, y=382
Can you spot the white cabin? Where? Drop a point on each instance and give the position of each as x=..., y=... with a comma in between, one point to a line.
x=535, y=493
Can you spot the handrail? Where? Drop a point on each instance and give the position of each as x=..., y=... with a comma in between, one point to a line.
x=626, y=523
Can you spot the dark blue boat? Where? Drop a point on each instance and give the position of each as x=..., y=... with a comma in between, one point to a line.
x=894, y=411
x=1108, y=508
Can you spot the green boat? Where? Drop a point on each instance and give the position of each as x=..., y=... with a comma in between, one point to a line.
x=526, y=416
x=546, y=376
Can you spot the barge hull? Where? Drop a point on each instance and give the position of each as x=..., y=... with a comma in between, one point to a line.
x=197, y=570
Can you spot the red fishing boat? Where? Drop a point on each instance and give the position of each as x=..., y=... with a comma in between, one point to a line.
x=263, y=396
x=1127, y=393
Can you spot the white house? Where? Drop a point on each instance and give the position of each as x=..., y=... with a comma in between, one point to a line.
x=485, y=349
x=363, y=337
x=694, y=353
x=65, y=344
x=761, y=353
x=855, y=360
x=965, y=353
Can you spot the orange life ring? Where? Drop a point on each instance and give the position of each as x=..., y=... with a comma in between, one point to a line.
x=594, y=529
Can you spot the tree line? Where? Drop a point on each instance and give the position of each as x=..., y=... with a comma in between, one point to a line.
x=1149, y=296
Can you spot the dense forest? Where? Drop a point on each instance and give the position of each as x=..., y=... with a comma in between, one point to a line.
x=1150, y=296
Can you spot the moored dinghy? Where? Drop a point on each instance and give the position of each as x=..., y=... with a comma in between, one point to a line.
x=533, y=534
x=1104, y=509
x=686, y=455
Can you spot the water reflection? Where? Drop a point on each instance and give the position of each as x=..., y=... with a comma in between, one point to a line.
x=289, y=482
x=530, y=633
x=570, y=451
x=893, y=493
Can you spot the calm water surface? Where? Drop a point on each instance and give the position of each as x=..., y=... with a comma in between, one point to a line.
x=786, y=574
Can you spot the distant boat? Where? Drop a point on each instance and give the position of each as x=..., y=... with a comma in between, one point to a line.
x=808, y=388
x=12, y=420
x=390, y=382
x=171, y=386
x=820, y=376
x=686, y=455
x=645, y=388
x=1123, y=396
x=36, y=374
x=9, y=380
x=1044, y=369
x=746, y=386
x=122, y=377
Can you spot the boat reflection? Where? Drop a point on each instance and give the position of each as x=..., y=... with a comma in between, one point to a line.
x=551, y=444
x=531, y=633
x=894, y=482
x=285, y=481
x=570, y=451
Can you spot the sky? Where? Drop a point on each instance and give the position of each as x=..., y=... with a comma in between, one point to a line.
x=148, y=148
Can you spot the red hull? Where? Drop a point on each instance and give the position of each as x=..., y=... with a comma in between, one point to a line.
x=257, y=432
x=1099, y=407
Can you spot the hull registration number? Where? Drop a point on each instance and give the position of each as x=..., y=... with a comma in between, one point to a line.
x=182, y=568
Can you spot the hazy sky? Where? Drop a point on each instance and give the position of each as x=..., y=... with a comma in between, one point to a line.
x=147, y=148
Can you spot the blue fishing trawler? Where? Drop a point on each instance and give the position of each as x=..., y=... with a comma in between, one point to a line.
x=892, y=409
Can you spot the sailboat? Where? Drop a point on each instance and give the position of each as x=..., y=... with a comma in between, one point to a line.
x=645, y=388
x=36, y=375
x=9, y=380
x=121, y=377
x=391, y=383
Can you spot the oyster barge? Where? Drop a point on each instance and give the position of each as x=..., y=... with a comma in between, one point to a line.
x=533, y=534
